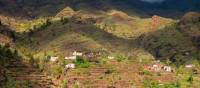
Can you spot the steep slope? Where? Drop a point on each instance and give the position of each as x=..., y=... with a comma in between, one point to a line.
x=176, y=8
x=110, y=33
x=178, y=42
x=14, y=71
x=26, y=75
x=112, y=28
x=82, y=30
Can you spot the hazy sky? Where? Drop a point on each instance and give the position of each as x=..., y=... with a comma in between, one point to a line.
x=153, y=1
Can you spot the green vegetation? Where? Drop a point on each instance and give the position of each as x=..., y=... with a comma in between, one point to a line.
x=7, y=52
x=190, y=79
x=109, y=71
x=76, y=85
x=145, y=72
x=131, y=41
x=153, y=84
x=64, y=84
x=81, y=62
x=56, y=70
x=64, y=20
x=31, y=26
x=120, y=57
x=11, y=83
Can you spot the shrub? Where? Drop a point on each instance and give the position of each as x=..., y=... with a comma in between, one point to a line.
x=103, y=59
x=81, y=62
x=27, y=85
x=190, y=79
x=48, y=22
x=109, y=71
x=31, y=60
x=11, y=83
x=120, y=57
x=7, y=53
x=145, y=72
x=56, y=70
x=76, y=85
x=42, y=67
x=64, y=84
x=62, y=61
x=46, y=59
x=43, y=62
x=64, y=20
x=147, y=83
x=154, y=84
x=158, y=74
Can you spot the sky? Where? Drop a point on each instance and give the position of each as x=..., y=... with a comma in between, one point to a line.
x=153, y=1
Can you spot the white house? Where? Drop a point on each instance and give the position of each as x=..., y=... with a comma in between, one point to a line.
x=167, y=68
x=70, y=66
x=89, y=55
x=75, y=53
x=158, y=61
x=156, y=67
x=189, y=66
x=53, y=59
x=110, y=57
x=70, y=58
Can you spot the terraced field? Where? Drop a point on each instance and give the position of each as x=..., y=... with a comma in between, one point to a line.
x=117, y=47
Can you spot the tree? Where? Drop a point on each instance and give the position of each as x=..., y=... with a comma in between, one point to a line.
x=64, y=20
x=30, y=33
x=0, y=23
x=48, y=22
x=190, y=79
x=12, y=34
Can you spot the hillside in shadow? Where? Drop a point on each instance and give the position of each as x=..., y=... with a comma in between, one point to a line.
x=7, y=34
x=34, y=8
x=174, y=43
x=13, y=68
x=176, y=8
x=68, y=35
x=178, y=43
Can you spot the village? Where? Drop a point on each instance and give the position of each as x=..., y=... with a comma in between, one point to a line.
x=99, y=44
x=156, y=66
x=74, y=56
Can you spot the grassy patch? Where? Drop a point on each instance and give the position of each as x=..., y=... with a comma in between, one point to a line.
x=120, y=57
x=154, y=84
x=82, y=63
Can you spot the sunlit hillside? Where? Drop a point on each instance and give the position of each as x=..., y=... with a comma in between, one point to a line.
x=99, y=44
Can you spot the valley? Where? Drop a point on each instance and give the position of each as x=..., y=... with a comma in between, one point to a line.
x=98, y=44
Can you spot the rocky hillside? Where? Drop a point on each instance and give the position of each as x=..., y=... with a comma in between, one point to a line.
x=178, y=42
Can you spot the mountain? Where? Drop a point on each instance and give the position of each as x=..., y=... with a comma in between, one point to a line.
x=32, y=8
x=120, y=43
x=176, y=8
x=178, y=43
